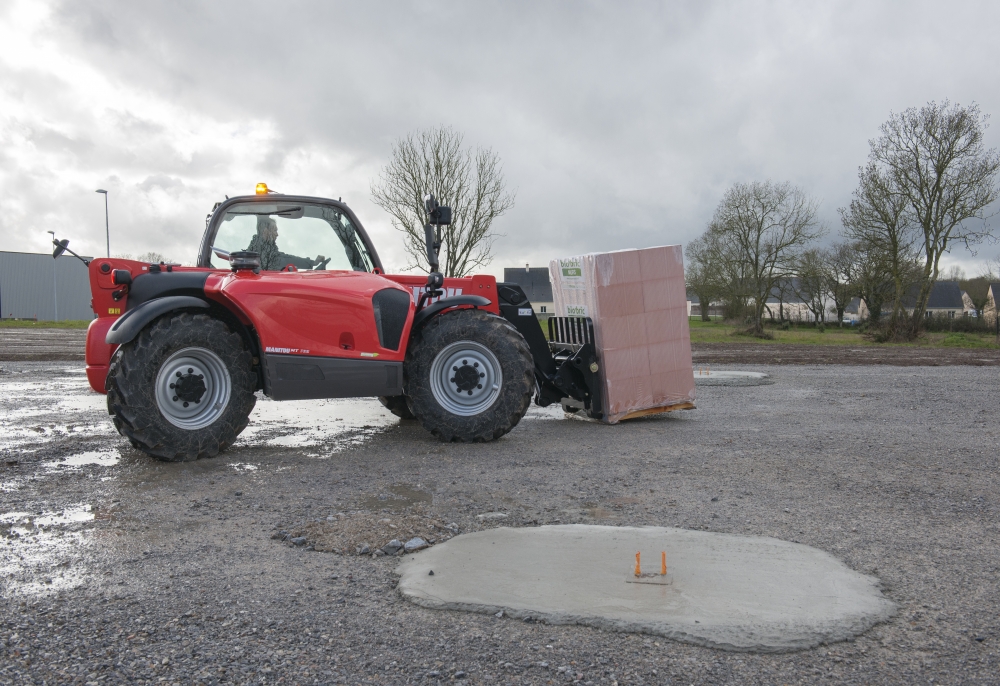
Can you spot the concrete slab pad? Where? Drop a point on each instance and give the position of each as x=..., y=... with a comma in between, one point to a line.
x=703, y=376
x=730, y=592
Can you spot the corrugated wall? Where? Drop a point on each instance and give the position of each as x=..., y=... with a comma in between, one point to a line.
x=26, y=287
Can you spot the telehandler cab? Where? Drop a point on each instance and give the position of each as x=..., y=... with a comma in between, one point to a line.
x=181, y=351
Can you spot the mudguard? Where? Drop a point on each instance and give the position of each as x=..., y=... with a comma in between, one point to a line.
x=132, y=322
x=445, y=303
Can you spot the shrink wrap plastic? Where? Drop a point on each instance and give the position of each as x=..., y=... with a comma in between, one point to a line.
x=637, y=301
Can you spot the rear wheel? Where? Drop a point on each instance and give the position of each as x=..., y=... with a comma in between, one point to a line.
x=183, y=389
x=397, y=405
x=468, y=376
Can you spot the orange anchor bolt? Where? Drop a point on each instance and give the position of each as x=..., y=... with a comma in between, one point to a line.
x=663, y=563
x=638, y=571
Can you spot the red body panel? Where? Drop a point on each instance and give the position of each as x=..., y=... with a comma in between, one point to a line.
x=316, y=313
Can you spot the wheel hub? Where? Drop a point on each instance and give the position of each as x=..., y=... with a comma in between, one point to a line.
x=192, y=388
x=189, y=387
x=466, y=378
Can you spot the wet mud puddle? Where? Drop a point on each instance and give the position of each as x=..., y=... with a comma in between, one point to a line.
x=42, y=550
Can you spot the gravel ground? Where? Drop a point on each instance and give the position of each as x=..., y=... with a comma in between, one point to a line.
x=117, y=568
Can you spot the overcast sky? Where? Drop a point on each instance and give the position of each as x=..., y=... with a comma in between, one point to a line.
x=620, y=124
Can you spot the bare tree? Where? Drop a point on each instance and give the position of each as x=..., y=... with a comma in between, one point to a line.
x=810, y=282
x=760, y=227
x=871, y=280
x=935, y=159
x=879, y=224
x=956, y=273
x=472, y=183
x=703, y=274
x=838, y=262
x=153, y=258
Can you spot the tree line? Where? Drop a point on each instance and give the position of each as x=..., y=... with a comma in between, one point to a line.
x=927, y=186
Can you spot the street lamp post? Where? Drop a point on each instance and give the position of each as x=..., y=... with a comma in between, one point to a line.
x=55, y=294
x=107, y=231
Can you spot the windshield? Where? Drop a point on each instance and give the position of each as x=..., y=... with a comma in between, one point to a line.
x=299, y=234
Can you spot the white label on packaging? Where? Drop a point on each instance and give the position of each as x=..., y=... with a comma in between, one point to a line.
x=571, y=271
x=524, y=312
x=576, y=310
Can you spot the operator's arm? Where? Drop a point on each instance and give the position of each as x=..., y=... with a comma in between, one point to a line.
x=284, y=259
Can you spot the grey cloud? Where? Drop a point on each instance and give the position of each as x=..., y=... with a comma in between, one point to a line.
x=619, y=124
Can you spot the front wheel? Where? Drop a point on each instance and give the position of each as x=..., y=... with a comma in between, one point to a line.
x=183, y=389
x=468, y=376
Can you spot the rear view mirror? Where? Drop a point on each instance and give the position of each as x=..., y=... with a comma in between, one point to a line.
x=60, y=247
x=441, y=216
x=438, y=215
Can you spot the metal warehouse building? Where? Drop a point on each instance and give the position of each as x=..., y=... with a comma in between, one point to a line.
x=34, y=286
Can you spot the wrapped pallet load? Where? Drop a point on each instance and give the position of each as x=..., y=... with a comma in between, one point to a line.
x=637, y=302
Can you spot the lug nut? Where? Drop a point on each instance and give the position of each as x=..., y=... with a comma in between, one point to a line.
x=178, y=375
x=475, y=364
x=190, y=371
x=175, y=398
x=172, y=385
x=478, y=386
x=482, y=375
x=185, y=403
x=470, y=392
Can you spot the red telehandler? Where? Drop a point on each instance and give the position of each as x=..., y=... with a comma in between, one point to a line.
x=181, y=351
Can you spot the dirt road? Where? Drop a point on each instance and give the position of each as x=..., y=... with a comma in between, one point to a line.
x=68, y=345
x=117, y=568
x=784, y=354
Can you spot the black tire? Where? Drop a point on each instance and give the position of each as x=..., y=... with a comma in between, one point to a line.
x=481, y=333
x=134, y=375
x=397, y=405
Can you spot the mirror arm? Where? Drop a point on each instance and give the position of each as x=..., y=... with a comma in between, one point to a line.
x=66, y=248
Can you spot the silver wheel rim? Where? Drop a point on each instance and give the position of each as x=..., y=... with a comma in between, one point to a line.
x=193, y=388
x=466, y=378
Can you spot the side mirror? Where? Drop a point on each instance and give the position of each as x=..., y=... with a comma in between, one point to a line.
x=438, y=215
x=60, y=247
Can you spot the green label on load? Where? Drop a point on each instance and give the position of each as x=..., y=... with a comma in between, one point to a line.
x=571, y=268
x=576, y=310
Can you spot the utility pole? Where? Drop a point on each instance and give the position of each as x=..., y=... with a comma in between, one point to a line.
x=55, y=294
x=107, y=231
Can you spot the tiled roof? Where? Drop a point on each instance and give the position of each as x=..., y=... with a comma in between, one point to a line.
x=944, y=295
x=534, y=281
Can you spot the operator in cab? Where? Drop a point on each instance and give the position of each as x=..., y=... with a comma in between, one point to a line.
x=271, y=258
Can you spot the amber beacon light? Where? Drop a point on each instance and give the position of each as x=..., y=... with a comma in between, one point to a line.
x=262, y=189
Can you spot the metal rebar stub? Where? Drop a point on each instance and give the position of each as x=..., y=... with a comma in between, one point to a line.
x=650, y=578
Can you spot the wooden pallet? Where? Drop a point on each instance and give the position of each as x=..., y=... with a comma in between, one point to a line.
x=659, y=410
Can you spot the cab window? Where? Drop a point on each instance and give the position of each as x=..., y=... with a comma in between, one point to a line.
x=299, y=235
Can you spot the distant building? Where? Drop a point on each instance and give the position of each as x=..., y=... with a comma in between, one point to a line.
x=694, y=306
x=852, y=313
x=785, y=303
x=534, y=281
x=35, y=286
x=946, y=300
